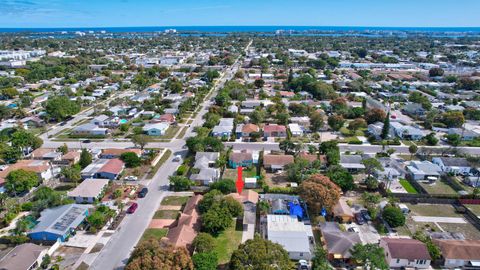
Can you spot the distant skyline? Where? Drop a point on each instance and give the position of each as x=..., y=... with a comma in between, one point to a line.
x=132, y=13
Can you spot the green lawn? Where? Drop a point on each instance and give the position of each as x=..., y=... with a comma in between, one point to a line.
x=247, y=173
x=164, y=158
x=433, y=210
x=166, y=214
x=408, y=187
x=153, y=233
x=170, y=133
x=227, y=242
x=175, y=200
x=439, y=187
x=182, y=133
x=475, y=208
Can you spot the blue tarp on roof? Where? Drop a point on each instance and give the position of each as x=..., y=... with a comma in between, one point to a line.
x=295, y=210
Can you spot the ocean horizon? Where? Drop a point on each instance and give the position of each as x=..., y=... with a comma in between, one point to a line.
x=240, y=29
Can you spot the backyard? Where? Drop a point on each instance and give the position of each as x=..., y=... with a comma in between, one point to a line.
x=408, y=187
x=227, y=242
x=439, y=187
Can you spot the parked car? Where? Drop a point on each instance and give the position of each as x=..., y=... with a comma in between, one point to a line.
x=143, y=192
x=131, y=178
x=359, y=218
x=132, y=208
x=86, y=141
x=302, y=265
x=365, y=215
x=177, y=158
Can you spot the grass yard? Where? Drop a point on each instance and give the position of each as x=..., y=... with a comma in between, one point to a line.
x=162, y=160
x=166, y=214
x=475, y=208
x=175, y=200
x=439, y=187
x=227, y=242
x=433, y=210
x=170, y=133
x=467, y=229
x=408, y=187
x=182, y=133
x=153, y=233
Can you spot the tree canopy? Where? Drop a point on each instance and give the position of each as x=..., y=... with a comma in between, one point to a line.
x=319, y=192
x=260, y=254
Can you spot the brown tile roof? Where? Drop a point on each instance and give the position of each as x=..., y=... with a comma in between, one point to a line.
x=287, y=93
x=239, y=157
x=249, y=128
x=404, y=248
x=341, y=209
x=37, y=166
x=459, y=249
x=168, y=117
x=312, y=157
x=71, y=155
x=113, y=166
x=272, y=128
x=118, y=152
x=247, y=195
x=40, y=152
x=277, y=159
x=185, y=229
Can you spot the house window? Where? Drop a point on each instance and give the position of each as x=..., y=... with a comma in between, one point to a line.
x=398, y=260
x=301, y=254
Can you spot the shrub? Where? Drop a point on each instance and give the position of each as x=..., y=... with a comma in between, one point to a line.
x=203, y=242
x=393, y=216
x=182, y=169
x=131, y=159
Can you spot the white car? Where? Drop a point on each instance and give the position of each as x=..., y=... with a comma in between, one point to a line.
x=177, y=158
x=131, y=178
x=303, y=265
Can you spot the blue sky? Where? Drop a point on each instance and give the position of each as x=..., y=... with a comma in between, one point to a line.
x=117, y=13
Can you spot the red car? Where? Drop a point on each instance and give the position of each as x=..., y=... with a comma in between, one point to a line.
x=132, y=208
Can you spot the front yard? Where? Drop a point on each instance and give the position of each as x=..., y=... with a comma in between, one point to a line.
x=153, y=233
x=175, y=200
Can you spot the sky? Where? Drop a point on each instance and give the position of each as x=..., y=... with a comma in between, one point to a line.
x=123, y=13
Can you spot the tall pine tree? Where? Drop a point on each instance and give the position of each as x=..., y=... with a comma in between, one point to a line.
x=386, y=127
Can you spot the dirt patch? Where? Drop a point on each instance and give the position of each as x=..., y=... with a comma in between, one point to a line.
x=170, y=207
x=96, y=248
x=161, y=223
x=276, y=180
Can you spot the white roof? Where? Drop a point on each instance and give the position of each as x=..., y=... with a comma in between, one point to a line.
x=90, y=188
x=288, y=232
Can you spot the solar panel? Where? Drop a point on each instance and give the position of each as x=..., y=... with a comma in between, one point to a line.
x=66, y=220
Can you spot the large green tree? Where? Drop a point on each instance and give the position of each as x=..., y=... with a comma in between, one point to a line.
x=156, y=254
x=370, y=256
x=260, y=254
x=61, y=107
x=19, y=181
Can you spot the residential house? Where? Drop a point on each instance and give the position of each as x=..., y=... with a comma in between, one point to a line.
x=101, y=120
x=204, y=162
x=240, y=159
x=167, y=117
x=453, y=165
x=401, y=253
x=89, y=130
x=156, y=129
x=72, y=157
x=46, y=154
x=465, y=134
x=26, y=256
x=278, y=131
x=42, y=168
x=32, y=122
x=313, y=158
x=187, y=226
x=405, y=132
x=249, y=200
x=224, y=128
x=338, y=243
x=375, y=130
x=292, y=234
x=58, y=223
x=295, y=129
x=342, y=212
x=245, y=131
x=414, y=109
x=353, y=163
x=423, y=170
x=459, y=253
x=104, y=168
x=89, y=191
x=275, y=163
